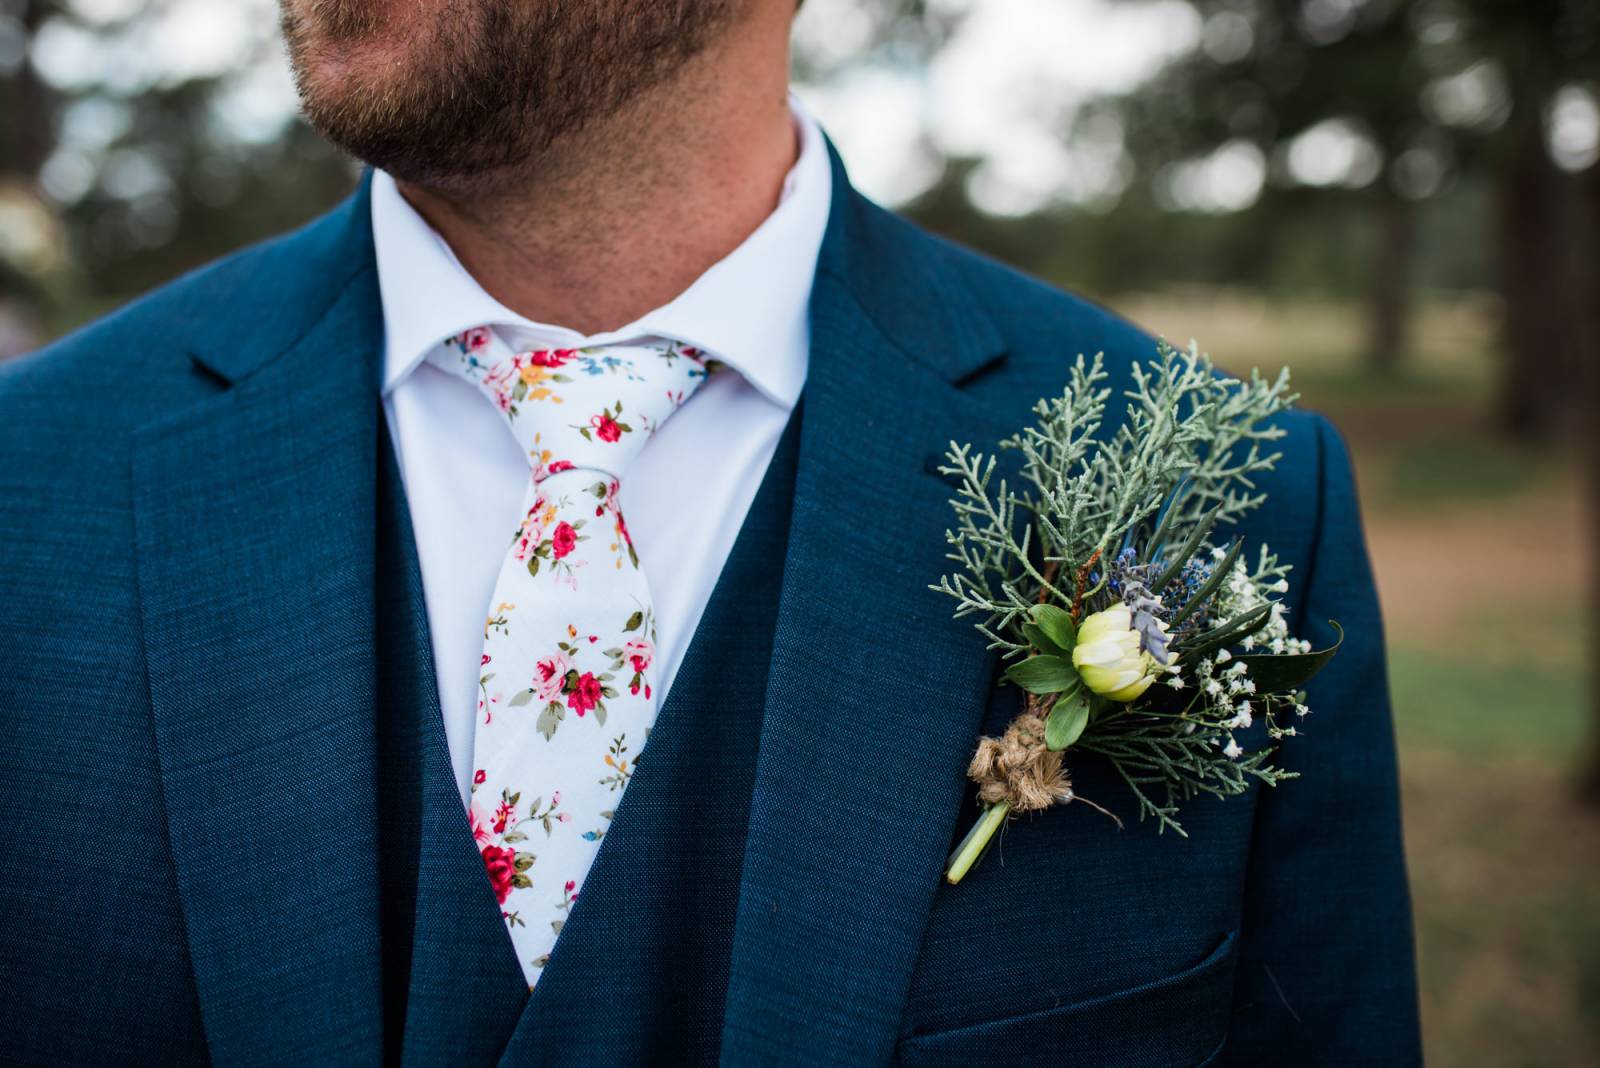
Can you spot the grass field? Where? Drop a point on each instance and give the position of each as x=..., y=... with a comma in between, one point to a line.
x=1481, y=550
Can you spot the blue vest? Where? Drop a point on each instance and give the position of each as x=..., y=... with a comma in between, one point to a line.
x=665, y=884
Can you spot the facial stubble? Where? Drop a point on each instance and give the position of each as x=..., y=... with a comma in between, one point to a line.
x=487, y=87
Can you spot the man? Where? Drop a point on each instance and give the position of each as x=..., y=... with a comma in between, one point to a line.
x=319, y=709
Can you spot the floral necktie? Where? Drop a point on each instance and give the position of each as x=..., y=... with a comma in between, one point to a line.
x=565, y=700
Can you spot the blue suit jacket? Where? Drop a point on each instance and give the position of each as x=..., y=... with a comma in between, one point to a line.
x=187, y=679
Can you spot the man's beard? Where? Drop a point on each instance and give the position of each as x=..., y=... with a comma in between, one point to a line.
x=450, y=93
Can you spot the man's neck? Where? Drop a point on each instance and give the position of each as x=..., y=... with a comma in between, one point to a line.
x=625, y=215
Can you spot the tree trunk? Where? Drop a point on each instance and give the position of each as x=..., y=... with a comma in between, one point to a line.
x=1589, y=785
x=1389, y=300
x=27, y=133
x=1538, y=391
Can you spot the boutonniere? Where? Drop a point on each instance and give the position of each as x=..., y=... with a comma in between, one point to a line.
x=1137, y=629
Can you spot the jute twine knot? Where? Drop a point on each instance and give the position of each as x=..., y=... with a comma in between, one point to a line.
x=1019, y=768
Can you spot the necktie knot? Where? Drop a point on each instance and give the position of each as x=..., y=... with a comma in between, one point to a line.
x=589, y=409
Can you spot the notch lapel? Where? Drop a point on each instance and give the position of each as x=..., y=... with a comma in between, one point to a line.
x=875, y=694
x=254, y=531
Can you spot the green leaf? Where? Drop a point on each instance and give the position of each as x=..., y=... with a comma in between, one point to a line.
x=533, y=566
x=1183, y=555
x=634, y=622
x=1068, y=716
x=549, y=719
x=1226, y=633
x=1164, y=520
x=521, y=699
x=1289, y=671
x=1057, y=625
x=1039, y=640
x=1043, y=674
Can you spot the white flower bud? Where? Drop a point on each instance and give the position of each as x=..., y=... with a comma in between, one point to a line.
x=1108, y=657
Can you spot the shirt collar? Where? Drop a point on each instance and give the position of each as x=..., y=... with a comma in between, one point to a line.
x=750, y=309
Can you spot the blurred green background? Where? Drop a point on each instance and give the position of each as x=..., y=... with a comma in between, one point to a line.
x=1400, y=199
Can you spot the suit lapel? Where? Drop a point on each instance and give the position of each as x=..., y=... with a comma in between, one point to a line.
x=254, y=530
x=875, y=694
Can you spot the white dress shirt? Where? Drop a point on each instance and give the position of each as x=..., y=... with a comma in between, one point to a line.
x=686, y=495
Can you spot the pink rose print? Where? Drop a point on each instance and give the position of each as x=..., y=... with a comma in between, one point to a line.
x=479, y=776
x=606, y=425
x=564, y=540
x=531, y=532
x=550, y=674
x=558, y=467
x=586, y=694
x=502, y=814
x=501, y=864
x=552, y=357
x=475, y=340
x=635, y=655
x=638, y=653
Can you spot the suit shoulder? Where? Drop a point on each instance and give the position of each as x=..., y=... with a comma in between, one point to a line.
x=140, y=352
x=1045, y=328
x=1036, y=318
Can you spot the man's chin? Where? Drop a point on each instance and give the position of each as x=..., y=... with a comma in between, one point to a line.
x=403, y=138
x=325, y=23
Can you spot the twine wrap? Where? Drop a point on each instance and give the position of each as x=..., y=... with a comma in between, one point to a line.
x=1018, y=768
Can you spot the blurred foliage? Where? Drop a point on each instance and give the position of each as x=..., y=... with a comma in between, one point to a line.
x=139, y=173
x=1439, y=105
x=1403, y=145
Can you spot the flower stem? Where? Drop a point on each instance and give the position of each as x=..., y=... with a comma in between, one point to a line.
x=977, y=840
